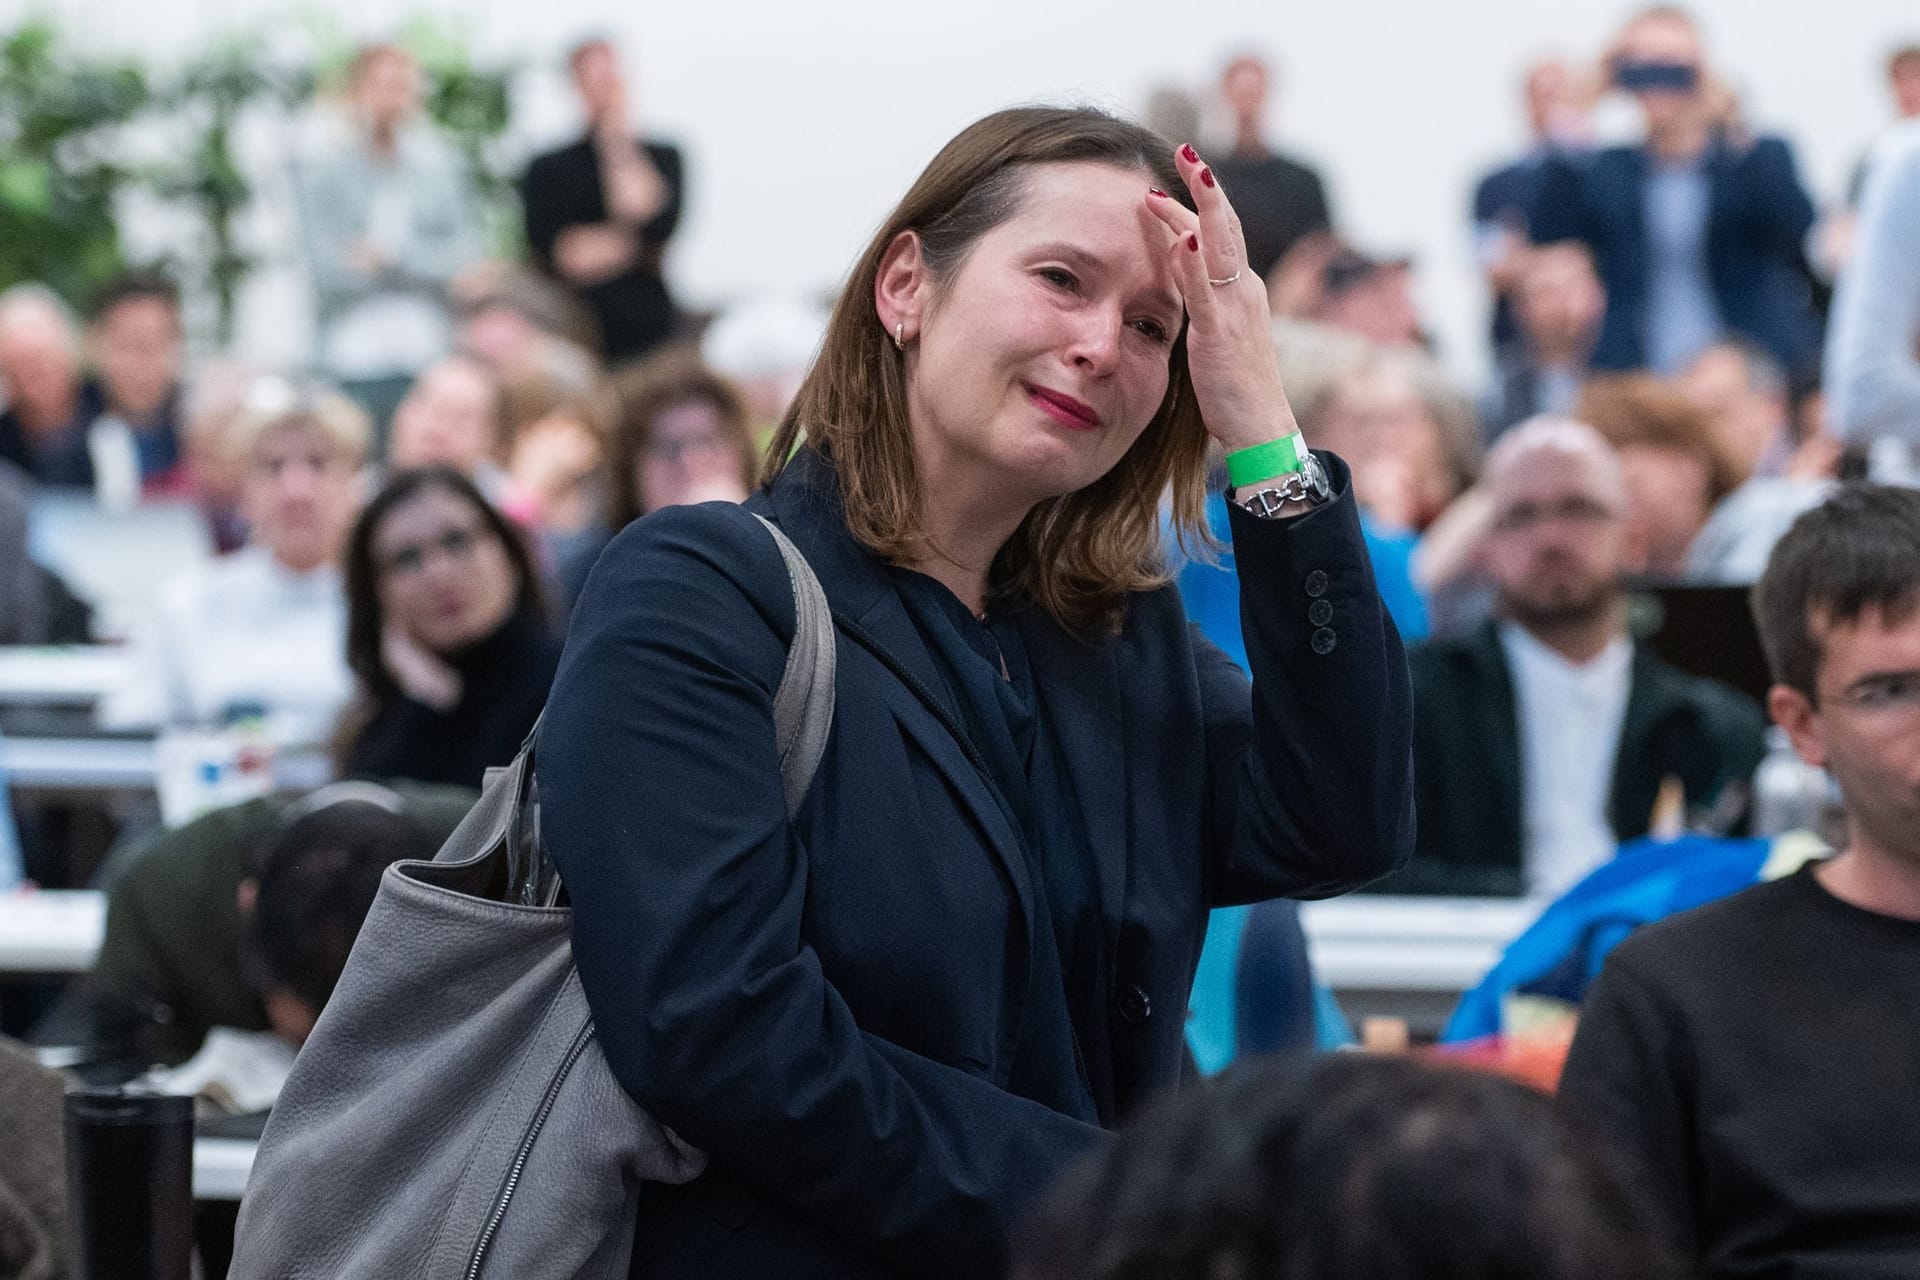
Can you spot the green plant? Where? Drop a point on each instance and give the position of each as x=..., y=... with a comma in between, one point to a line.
x=59, y=178
x=207, y=98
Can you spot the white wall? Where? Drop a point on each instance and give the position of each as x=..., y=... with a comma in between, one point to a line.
x=804, y=121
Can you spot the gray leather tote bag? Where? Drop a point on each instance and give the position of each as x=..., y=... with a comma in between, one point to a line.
x=452, y=1114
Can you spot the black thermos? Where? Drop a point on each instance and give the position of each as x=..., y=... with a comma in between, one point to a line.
x=130, y=1185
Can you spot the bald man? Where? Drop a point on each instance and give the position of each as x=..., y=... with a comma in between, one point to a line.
x=41, y=430
x=1542, y=740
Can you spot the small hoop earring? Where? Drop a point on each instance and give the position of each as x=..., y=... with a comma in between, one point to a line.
x=900, y=335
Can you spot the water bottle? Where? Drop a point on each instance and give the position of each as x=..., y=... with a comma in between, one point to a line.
x=1788, y=793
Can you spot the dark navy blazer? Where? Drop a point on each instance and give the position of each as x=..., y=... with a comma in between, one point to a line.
x=1758, y=218
x=829, y=1007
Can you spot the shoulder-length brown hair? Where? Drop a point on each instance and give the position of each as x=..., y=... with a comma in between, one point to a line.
x=1078, y=555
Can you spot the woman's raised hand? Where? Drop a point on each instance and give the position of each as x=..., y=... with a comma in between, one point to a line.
x=1236, y=376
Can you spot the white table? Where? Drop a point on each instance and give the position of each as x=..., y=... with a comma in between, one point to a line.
x=52, y=931
x=220, y=1167
x=79, y=675
x=1409, y=957
x=80, y=764
x=1435, y=946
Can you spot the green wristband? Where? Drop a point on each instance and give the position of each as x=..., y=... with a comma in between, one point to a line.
x=1264, y=461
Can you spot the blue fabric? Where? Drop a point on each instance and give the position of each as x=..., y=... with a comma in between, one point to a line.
x=1561, y=954
x=1758, y=217
x=1682, y=318
x=12, y=869
x=1212, y=591
x=1254, y=992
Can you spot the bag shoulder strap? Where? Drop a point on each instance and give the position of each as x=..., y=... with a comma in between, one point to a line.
x=803, y=704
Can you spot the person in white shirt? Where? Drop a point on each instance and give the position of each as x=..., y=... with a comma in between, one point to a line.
x=265, y=628
x=1545, y=738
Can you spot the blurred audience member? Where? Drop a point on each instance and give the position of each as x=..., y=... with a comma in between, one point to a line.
x=556, y=473
x=764, y=347
x=510, y=315
x=41, y=429
x=1278, y=198
x=1744, y=393
x=1873, y=342
x=681, y=435
x=453, y=416
x=35, y=605
x=1757, y=1055
x=1410, y=436
x=210, y=473
x=1556, y=122
x=1371, y=297
x=1676, y=468
x=1748, y=398
x=1172, y=113
x=388, y=219
x=447, y=635
x=1543, y=739
x=263, y=628
x=239, y=918
x=600, y=211
x=1350, y=1167
x=1557, y=305
x=138, y=349
x=1697, y=230
x=1903, y=83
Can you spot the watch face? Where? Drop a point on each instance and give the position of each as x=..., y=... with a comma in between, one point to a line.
x=1315, y=474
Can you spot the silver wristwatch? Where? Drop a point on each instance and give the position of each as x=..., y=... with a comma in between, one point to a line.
x=1269, y=498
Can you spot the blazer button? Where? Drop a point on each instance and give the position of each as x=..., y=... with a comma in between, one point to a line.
x=1324, y=640
x=1134, y=1005
x=1321, y=613
x=1317, y=583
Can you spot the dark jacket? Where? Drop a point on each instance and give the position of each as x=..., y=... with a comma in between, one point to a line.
x=561, y=189
x=1279, y=200
x=1467, y=759
x=503, y=684
x=1759, y=215
x=830, y=1007
x=170, y=967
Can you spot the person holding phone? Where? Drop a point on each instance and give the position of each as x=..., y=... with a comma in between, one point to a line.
x=1697, y=231
x=446, y=635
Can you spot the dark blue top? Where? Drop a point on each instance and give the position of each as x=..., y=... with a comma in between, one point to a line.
x=867, y=1013
x=983, y=668
x=1757, y=221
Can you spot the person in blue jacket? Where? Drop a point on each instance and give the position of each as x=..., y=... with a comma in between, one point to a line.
x=1698, y=231
x=892, y=1019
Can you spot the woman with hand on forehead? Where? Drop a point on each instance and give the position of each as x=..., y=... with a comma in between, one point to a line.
x=892, y=1017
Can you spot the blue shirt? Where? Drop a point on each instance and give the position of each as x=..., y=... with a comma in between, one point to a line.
x=1212, y=591
x=1682, y=317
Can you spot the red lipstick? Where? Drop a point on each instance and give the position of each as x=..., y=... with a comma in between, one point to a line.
x=1064, y=409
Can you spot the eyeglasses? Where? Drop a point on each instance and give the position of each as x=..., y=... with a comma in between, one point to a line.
x=1525, y=515
x=455, y=544
x=671, y=451
x=1897, y=693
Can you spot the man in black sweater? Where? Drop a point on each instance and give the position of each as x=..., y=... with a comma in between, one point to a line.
x=1761, y=1055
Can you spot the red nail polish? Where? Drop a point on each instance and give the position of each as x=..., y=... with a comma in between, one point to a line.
x=1193, y=243
x=1206, y=176
x=1188, y=154
x=1155, y=191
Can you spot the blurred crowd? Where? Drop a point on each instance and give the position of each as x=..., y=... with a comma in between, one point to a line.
x=374, y=555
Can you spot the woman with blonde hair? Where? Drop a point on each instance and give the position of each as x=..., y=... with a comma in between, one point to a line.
x=892, y=1017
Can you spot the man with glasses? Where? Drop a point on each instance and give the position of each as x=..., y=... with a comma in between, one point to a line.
x=1760, y=1054
x=1545, y=738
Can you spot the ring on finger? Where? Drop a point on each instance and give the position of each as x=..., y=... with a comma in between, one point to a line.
x=1220, y=284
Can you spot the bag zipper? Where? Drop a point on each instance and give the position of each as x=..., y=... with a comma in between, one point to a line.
x=512, y=1183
